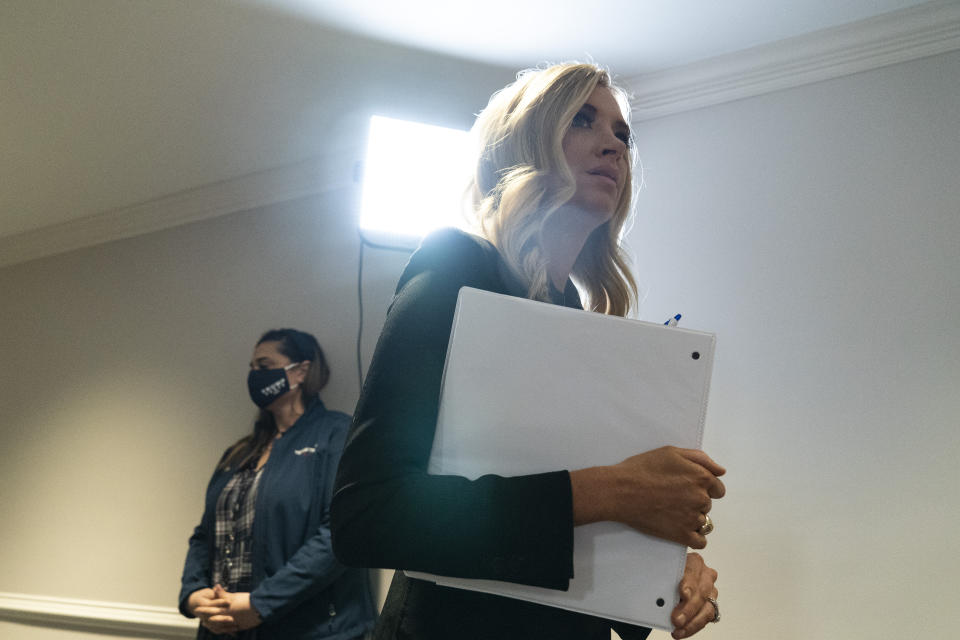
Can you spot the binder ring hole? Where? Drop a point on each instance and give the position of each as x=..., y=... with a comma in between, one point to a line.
x=695, y=355
x=660, y=602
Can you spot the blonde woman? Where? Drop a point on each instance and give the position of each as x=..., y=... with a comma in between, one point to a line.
x=551, y=194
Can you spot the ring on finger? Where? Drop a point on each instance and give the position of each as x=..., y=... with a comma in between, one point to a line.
x=707, y=526
x=716, y=609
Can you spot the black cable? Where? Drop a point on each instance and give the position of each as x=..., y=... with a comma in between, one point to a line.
x=372, y=245
x=360, y=322
x=385, y=247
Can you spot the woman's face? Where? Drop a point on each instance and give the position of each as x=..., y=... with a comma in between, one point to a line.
x=596, y=147
x=266, y=355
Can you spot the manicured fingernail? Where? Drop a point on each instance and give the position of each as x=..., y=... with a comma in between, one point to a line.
x=680, y=633
x=681, y=620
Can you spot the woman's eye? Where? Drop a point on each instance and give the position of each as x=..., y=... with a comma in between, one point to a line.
x=626, y=138
x=581, y=120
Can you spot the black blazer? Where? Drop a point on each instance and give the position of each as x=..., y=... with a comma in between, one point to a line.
x=388, y=512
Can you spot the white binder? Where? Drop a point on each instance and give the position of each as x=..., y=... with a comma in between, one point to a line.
x=530, y=387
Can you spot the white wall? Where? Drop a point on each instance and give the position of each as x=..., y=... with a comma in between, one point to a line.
x=817, y=232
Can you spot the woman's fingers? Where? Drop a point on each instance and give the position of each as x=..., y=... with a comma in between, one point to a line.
x=694, y=610
x=220, y=624
x=689, y=588
x=714, y=486
x=701, y=458
x=702, y=618
x=711, y=479
x=717, y=489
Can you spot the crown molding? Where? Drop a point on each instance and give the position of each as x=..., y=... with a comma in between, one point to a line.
x=263, y=188
x=924, y=30
x=97, y=616
x=899, y=36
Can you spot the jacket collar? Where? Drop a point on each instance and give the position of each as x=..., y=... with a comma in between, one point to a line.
x=315, y=406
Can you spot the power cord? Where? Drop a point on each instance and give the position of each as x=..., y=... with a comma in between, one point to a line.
x=373, y=245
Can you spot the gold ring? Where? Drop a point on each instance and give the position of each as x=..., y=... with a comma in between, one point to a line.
x=707, y=526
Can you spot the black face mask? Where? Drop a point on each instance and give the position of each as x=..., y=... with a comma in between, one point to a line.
x=266, y=385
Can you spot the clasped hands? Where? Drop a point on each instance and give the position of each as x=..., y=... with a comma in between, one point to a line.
x=222, y=611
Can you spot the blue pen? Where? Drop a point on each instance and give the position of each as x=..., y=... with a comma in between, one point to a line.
x=672, y=322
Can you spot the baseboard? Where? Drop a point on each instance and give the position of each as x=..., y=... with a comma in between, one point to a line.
x=96, y=616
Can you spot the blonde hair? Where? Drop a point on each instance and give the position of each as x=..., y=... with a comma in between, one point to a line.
x=522, y=178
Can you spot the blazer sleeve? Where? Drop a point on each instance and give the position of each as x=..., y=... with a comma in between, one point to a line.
x=197, y=566
x=387, y=511
x=313, y=567
x=630, y=631
x=196, y=569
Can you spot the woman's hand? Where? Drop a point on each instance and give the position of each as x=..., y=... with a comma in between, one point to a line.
x=665, y=492
x=211, y=610
x=668, y=491
x=694, y=610
x=239, y=608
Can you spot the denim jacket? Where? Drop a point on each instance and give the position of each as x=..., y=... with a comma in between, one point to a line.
x=299, y=588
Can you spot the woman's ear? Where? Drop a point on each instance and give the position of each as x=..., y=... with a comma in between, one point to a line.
x=302, y=369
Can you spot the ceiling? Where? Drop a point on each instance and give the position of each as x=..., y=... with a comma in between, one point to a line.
x=109, y=103
x=629, y=36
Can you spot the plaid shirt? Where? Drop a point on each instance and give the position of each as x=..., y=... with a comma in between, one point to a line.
x=232, y=566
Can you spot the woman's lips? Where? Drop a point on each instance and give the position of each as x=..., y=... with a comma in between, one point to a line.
x=608, y=175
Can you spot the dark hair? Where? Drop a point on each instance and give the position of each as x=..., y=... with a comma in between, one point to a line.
x=299, y=346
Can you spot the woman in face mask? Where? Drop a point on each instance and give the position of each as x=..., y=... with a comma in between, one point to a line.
x=260, y=564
